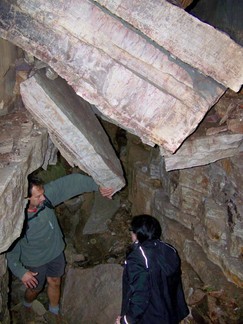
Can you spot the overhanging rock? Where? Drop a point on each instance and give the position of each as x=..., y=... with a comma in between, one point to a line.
x=131, y=80
x=73, y=128
x=204, y=150
x=200, y=45
x=16, y=162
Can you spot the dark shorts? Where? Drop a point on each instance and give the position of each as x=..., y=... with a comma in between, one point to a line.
x=54, y=268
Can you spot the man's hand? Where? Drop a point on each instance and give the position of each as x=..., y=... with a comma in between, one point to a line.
x=106, y=192
x=29, y=279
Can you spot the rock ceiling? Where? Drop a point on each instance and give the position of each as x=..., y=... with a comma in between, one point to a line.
x=148, y=66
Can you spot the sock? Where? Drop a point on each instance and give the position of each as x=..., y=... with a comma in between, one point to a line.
x=54, y=309
x=26, y=304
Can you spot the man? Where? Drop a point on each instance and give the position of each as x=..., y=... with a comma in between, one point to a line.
x=38, y=254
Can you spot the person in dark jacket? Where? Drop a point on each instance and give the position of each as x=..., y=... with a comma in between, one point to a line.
x=152, y=287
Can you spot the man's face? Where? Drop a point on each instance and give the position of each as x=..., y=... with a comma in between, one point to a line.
x=37, y=197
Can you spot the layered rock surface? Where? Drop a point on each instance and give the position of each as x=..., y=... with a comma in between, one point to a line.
x=200, y=45
x=134, y=82
x=25, y=154
x=73, y=128
x=202, y=205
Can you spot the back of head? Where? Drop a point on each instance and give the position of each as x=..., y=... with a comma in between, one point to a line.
x=146, y=227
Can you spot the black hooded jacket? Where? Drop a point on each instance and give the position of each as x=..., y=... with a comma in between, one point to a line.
x=152, y=287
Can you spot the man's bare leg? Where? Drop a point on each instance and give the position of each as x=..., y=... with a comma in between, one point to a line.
x=54, y=292
x=30, y=295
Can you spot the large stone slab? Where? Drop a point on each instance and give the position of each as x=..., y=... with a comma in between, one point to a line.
x=73, y=128
x=200, y=45
x=27, y=155
x=131, y=80
x=101, y=214
x=208, y=271
x=7, y=76
x=92, y=295
x=204, y=150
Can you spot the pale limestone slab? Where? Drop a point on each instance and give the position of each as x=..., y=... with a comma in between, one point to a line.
x=30, y=147
x=101, y=214
x=204, y=150
x=73, y=128
x=131, y=80
x=196, y=43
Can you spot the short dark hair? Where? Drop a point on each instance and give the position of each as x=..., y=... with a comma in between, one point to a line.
x=33, y=181
x=146, y=227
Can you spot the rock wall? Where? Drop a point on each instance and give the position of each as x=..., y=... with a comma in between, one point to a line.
x=9, y=53
x=7, y=81
x=23, y=145
x=4, y=312
x=200, y=210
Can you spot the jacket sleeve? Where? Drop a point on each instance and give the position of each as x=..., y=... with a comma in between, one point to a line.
x=69, y=186
x=13, y=259
x=139, y=281
x=172, y=283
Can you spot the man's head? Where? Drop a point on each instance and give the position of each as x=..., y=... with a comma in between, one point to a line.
x=35, y=192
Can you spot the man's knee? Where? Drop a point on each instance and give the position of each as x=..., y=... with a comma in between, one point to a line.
x=31, y=294
x=54, y=281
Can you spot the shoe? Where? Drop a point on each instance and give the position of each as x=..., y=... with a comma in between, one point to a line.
x=27, y=315
x=54, y=319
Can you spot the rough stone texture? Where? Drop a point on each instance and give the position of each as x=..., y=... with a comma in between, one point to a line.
x=73, y=128
x=205, y=203
x=103, y=283
x=211, y=51
x=101, y=214
x=7, y=76
x=208, y=272
x=204, y=150
x=30, y=142
x=4, y=279
x=22, y=149
x=144, y=189
x=131, y=80
x=200, y=209
x=218, y=136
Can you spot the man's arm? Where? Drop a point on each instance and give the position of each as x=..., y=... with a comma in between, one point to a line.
x=72, y=185
x=17, y=268
x=13, y=259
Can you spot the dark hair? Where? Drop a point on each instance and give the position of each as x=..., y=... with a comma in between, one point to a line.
x=33, y=181
x=146, y=227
